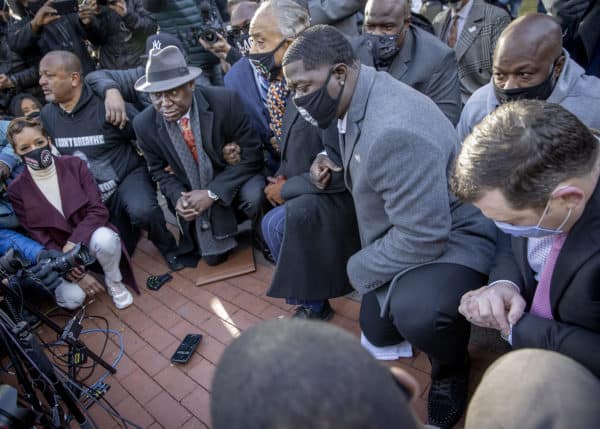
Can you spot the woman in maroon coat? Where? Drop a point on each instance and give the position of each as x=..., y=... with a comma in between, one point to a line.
x=58, y=203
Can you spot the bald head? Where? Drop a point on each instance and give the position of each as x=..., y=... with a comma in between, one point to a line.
x=533, y=35
x=386, y=16
x=68, y=60
x=528, y=51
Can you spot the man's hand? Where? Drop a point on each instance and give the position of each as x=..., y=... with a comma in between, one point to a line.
x=4, y=171
x=44, y=16
x=219, y=49
x=119, y=6
x=87, y=11
x=197, y=200
x=116, y=114
x=320, y=171
x=232, y=153
x=187, y=213
x=273, y=190
x=493, y=307
x=5, y=82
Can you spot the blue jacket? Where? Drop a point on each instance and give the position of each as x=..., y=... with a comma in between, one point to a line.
x=28, y=248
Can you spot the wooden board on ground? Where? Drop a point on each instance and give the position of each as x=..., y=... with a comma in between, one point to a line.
x=240, y=262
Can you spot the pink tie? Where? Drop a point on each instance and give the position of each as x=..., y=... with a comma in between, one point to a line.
x=541, y=299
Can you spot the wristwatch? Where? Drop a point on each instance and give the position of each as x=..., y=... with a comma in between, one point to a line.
x=212, y=195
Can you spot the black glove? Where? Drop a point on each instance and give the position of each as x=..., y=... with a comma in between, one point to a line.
x=43, y=270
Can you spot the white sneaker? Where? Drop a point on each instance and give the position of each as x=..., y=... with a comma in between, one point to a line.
x=120, y=295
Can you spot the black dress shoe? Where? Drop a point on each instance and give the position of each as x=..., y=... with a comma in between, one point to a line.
x=448, y=399
x=302, y=312
x=173, y=263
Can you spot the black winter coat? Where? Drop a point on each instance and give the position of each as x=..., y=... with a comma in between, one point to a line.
x=222, y=121
x=22, y=73
x=64, y=34
x=321, y=232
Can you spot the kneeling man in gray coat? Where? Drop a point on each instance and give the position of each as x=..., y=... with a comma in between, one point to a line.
x=421, y=247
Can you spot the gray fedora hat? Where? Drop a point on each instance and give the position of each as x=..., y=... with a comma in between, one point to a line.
x=166, y=69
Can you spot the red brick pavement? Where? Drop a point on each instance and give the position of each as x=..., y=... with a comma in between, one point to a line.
x=153, y=393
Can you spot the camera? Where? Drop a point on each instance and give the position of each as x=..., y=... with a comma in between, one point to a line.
x=210, y=24
x=78, y=256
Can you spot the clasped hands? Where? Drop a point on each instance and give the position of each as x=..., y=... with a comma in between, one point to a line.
x=497, y=307
x=192, y=204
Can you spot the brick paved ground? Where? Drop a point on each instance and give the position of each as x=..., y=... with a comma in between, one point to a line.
x=149, y=390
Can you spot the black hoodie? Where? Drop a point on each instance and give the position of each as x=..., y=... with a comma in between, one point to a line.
x=108, y=149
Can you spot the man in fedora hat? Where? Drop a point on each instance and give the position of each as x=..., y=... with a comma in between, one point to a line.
x=182, y=137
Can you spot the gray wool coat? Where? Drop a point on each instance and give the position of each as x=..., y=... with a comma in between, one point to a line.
x=397, y=153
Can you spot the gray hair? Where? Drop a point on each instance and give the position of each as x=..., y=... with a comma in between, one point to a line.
x=292, y=18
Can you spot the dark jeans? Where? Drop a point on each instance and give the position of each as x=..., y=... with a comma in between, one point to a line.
x=424, y=311
x=134, y=206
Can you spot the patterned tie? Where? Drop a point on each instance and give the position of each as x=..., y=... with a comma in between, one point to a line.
x=276, y=100
x=188, y=136
x=541, y=299
x=453, y=33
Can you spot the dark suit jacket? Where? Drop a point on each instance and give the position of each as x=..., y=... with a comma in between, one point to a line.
x=476, y=43
x=82, y=206
x=426, y=64
x=223, y=120
x=320, y=226
x=574, y=291
x=240, y=78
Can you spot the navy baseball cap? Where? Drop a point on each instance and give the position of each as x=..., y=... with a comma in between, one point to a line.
x=162, y=40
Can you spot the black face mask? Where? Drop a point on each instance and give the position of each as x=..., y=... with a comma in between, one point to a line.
x=383, y=48
x=318, y=107
x=265, y=62
x=240, y=38
x=38, y=159
x=540, y=91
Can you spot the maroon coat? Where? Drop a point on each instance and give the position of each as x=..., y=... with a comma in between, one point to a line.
x=82, y=205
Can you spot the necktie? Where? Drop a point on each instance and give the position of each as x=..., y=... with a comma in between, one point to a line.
x=453, y=33
x=541, y=299
x=188, y=136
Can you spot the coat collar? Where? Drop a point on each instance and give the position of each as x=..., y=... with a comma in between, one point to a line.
x=72, y=199
x=290, y=117
x=471, y=29
x=356, y=113
x=400, y=64
x=582, y=243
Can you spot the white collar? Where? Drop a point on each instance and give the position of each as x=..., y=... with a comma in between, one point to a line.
x=342, y=124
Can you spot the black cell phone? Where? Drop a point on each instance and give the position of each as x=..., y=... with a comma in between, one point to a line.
x=156, y=282
x=64, y=7
x=186, y=349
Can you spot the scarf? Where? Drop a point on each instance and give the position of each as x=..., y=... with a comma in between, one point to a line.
x=199, y=175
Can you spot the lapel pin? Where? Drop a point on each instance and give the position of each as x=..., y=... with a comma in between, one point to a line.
x=472, y=29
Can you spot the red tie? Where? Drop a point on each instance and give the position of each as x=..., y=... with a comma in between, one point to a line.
x=188, y=136
x=541, y=298
x=453, y=34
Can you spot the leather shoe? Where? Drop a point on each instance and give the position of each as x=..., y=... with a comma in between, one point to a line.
x=173, y=263
x=302, y=312
x=448, y=399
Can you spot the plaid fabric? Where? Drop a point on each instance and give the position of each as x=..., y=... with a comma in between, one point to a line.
x=188, y=136
x=276, y=101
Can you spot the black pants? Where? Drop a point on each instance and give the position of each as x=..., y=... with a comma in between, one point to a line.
x=133, y=206
x=424, y=311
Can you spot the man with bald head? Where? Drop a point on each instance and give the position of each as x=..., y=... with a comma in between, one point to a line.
x=391, y=43
x=75, y=119
x=530, y=63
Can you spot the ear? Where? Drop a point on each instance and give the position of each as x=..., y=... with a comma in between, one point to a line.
x=75, y=79
x=340, y=73
x=410, y=384
x=560, y=63
x=570, y=196
x=192, y=85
